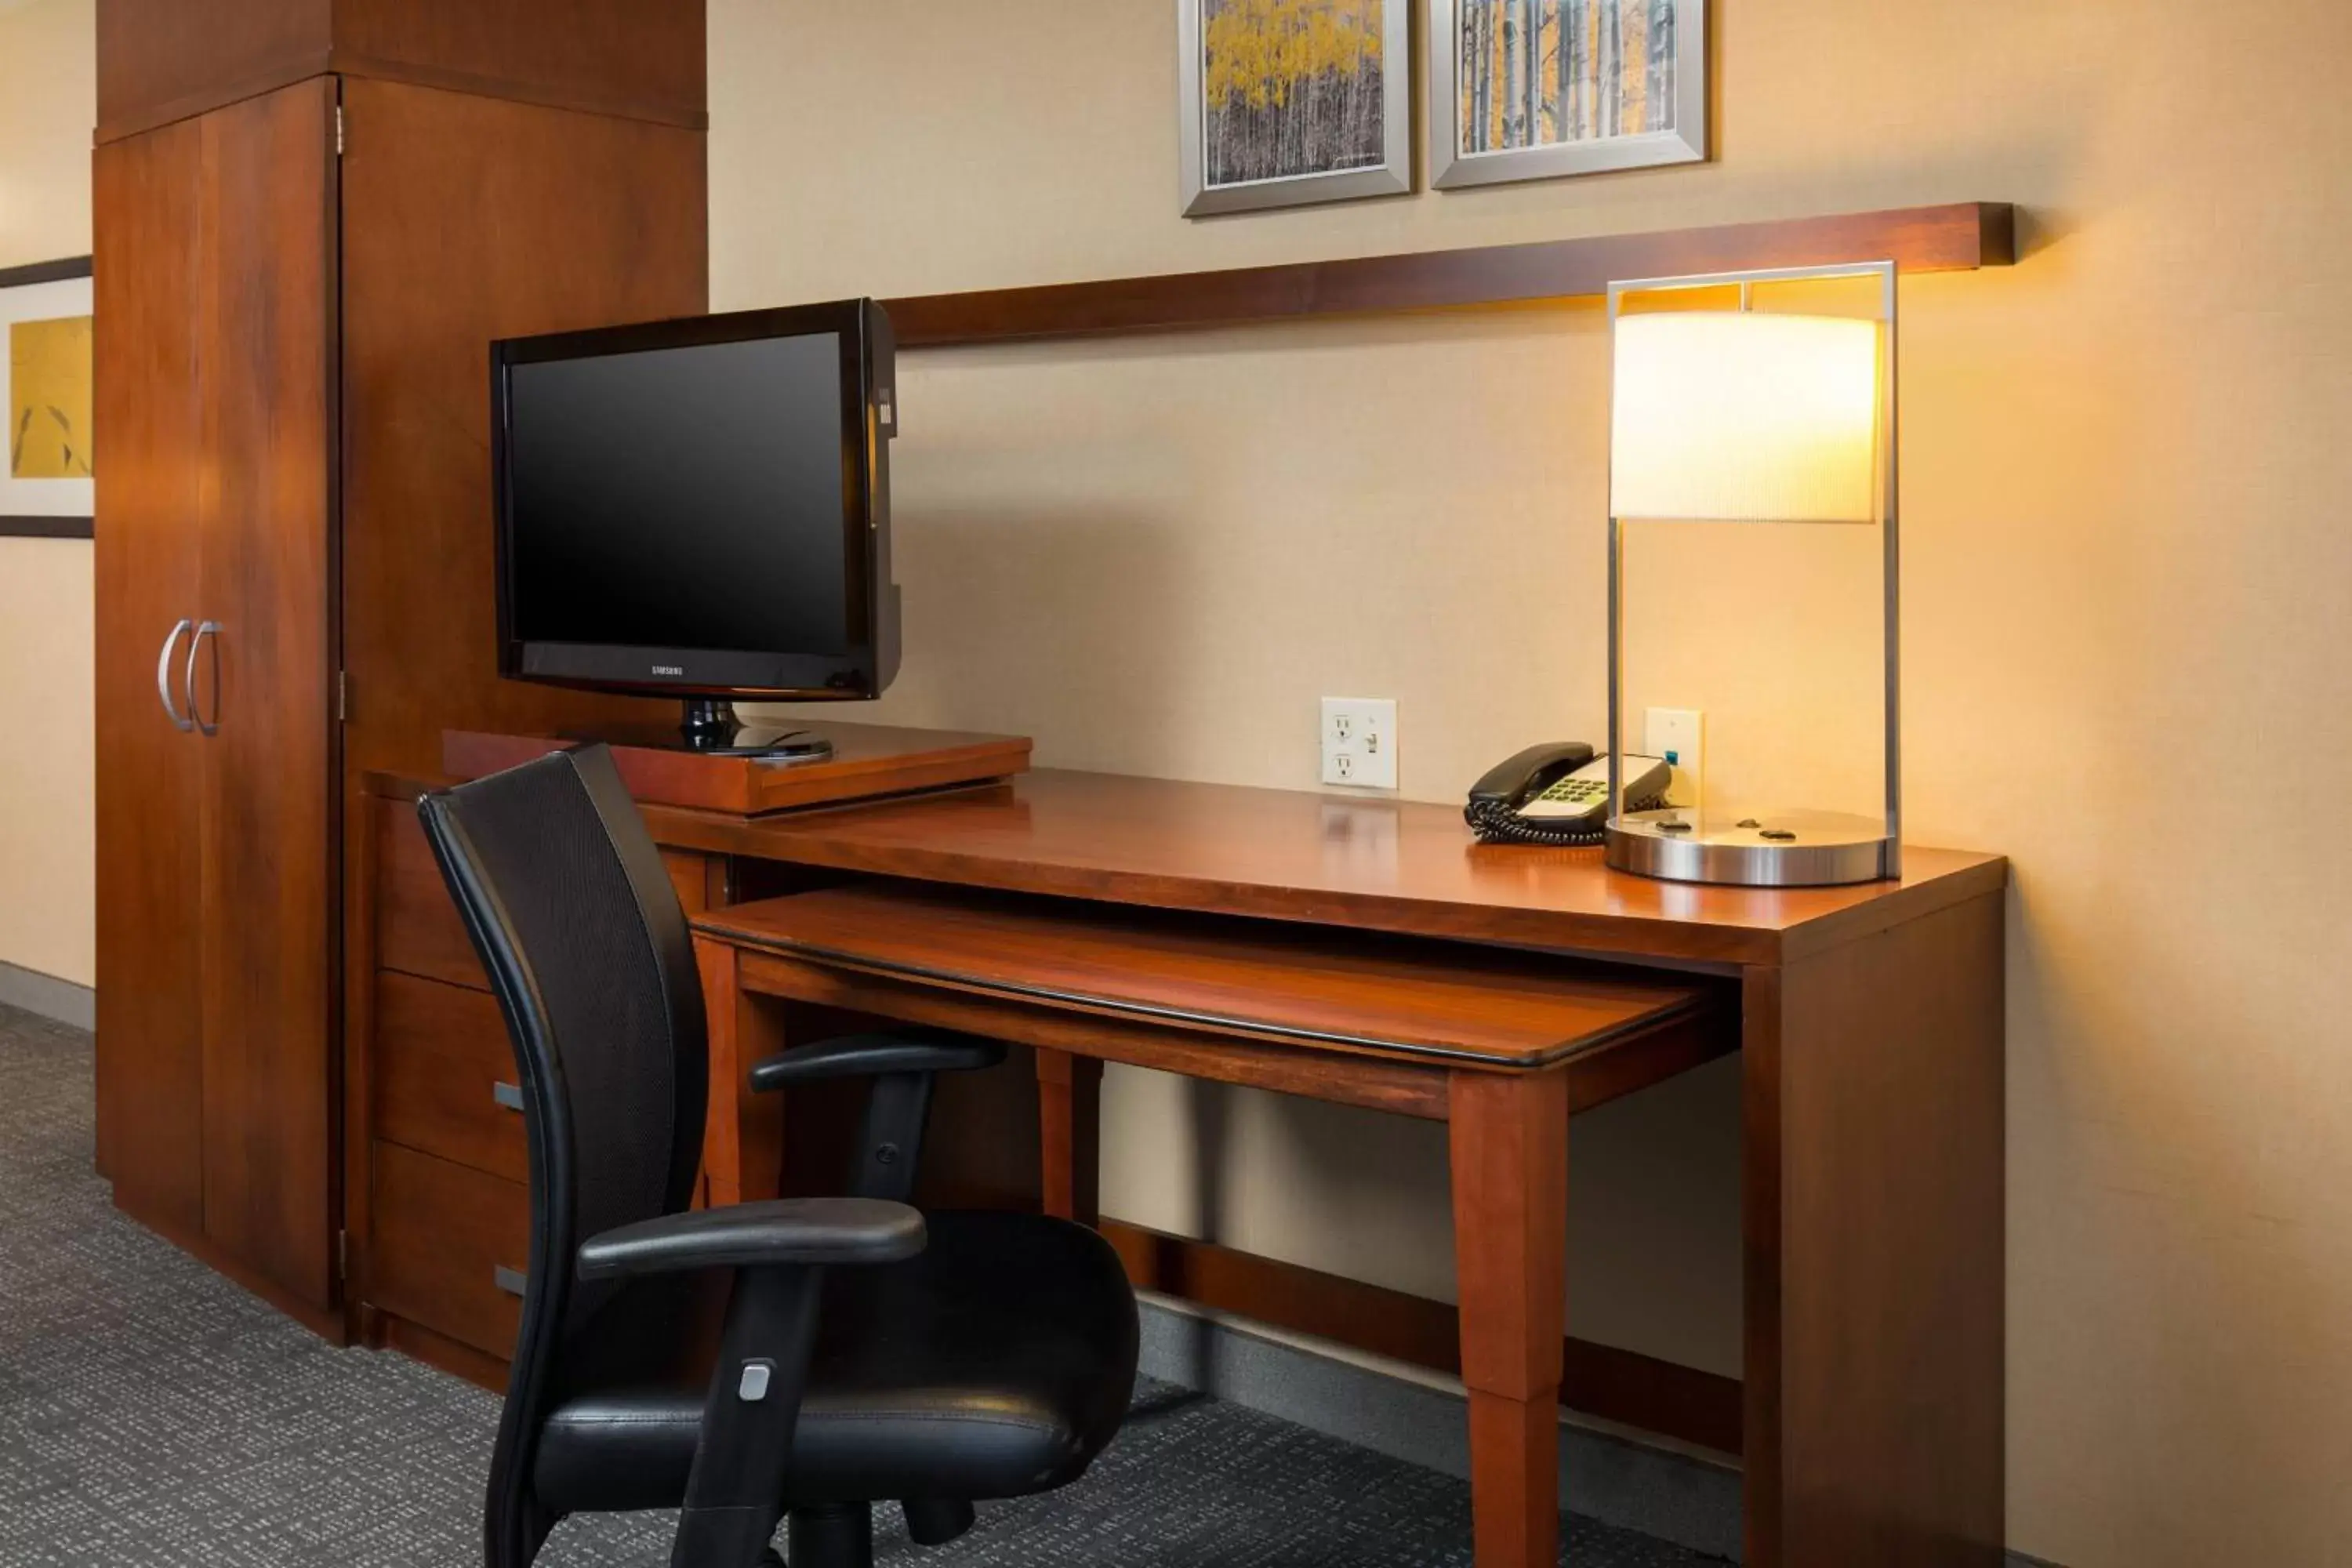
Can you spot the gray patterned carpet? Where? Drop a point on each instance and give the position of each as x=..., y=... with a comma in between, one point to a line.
x=153, y=1414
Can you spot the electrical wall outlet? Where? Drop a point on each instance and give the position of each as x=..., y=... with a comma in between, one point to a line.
x=1359, y=742
x=1679, y=735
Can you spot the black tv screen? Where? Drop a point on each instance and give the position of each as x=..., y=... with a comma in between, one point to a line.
x=699, y=506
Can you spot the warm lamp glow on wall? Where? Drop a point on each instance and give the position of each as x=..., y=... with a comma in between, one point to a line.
x=1741, y=415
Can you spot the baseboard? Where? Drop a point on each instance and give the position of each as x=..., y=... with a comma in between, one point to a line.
x=61, y=1001
x=1686, y=1495
x=1604, y=1385
x=1690, y=1498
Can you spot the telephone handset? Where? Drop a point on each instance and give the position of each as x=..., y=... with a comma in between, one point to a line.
x=1558, y=793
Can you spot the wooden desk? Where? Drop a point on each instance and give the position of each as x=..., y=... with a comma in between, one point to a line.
x=1870, y=1022
x=1501, y=1047
x=1870, y=1025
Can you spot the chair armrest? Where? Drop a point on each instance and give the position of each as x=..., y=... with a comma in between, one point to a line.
x=910, y=1050
x=777, y=1234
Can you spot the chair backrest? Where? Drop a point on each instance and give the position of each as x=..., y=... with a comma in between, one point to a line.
x=574, y=917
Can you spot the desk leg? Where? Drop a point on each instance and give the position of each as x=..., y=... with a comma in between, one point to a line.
x=743, y=1138
x=1509, y=1139
x=1069, y=1134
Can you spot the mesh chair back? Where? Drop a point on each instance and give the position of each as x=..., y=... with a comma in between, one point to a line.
x=573, y=915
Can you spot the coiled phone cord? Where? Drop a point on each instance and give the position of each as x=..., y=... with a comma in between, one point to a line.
x=1496, y=823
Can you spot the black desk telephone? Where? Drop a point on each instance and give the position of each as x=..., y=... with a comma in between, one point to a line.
x=1558, y=793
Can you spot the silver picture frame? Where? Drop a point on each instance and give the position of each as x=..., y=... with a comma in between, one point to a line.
x=1392, y=176
x=1454, y=167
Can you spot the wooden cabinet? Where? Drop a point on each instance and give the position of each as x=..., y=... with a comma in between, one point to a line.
x=299, y=273
x=444, y=1075
x=150, y=1066
x=448, y=1248
x=439, y=1196
x=441, y=1210
x=217, y=323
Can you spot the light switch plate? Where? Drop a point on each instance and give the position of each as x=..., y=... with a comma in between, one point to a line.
x=1359, y=742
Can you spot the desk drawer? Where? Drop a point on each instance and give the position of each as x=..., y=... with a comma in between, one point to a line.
x=444, y=1075
x=442, y=1235
x=418, y=930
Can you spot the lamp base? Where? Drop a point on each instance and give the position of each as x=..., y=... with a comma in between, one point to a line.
x=1821, y=849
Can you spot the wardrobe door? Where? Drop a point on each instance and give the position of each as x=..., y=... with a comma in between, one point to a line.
x=468, y=218
x=263, y=688
x=150, y=1054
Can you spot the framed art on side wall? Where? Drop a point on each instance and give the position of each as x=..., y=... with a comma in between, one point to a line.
x=46, y=481
x=1531, y=89
x=1286, y=102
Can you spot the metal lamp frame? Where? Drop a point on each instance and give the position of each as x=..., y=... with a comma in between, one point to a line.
x=1889, y=861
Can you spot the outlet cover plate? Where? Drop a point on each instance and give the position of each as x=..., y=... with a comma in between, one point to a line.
x=1679, y=734
x=1359, y=742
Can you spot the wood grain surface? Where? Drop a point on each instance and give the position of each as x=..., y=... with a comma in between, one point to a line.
x=417, y=928
x=1380, y=994
x=1400, y=1086
x=441, y=1232
x=468, y=218
x=1507, y=1143
x=270, y=828
x=164, y=61
x=148, y=197
x=1961, y=234
x=1875, y=1215
x=1334, y=861
x=441, y=1052
x=868, y=760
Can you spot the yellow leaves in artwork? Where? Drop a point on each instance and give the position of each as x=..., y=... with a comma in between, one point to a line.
x=1259, y=51
x=49, y=399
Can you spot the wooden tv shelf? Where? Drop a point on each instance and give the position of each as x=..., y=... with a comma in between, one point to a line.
x=867, y=760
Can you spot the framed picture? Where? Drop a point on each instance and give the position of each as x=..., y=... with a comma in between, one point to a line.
x=47, y=482
x=1285, y=102
x=1528, y=90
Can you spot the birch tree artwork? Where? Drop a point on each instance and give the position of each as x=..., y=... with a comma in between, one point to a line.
x=1545, y=73
x=1291, y=87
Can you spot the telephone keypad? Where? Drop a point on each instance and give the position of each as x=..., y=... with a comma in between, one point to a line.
x=1575, y=791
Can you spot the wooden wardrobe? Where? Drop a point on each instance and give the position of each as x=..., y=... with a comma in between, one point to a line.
x=312, y=218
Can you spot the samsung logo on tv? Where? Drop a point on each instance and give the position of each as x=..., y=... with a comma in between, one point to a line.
x=669, y=669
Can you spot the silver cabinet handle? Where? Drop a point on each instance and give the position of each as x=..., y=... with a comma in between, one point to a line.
x=180, y=720
x=513, y=1281
x=507, y=1094
x=205, y=629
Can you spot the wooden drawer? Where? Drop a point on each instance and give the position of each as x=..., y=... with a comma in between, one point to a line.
x=418, y=930
x=444, y=1075
x=441, y=1235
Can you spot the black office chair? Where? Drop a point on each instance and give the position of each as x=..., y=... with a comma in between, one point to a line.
x=804, y=1358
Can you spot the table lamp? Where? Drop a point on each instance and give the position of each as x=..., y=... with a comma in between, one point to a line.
x=1741, y=415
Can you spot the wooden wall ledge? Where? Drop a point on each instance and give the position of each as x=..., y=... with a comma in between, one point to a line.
x=1960, y=237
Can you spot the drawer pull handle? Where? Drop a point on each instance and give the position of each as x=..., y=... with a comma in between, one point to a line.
x=508, y=1094
x=510, y=1281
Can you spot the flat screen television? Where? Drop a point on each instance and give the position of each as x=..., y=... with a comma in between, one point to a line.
x=699, y=507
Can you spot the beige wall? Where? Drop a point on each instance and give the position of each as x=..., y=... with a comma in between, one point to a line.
x=48, y=104
x=2124, y=481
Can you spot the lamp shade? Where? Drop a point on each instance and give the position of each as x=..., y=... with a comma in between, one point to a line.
x=1745, y=416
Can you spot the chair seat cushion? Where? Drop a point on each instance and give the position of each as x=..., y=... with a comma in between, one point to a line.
x=998, y=1362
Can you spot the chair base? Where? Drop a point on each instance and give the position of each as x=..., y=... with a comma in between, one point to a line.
x=933, y=1523
x=840, y=1536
